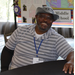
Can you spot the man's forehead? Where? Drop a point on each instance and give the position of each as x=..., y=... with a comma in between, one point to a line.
x=45, y=14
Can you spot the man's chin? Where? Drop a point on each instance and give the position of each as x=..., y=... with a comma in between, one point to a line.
x=43, y=29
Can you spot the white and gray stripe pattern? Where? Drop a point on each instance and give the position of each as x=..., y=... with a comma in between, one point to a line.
x=22, y=42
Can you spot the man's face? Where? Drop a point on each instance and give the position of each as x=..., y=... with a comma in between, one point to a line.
x=44, y=21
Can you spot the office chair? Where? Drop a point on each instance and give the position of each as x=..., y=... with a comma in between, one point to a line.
x=8, y=30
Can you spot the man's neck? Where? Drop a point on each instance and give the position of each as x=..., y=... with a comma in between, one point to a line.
x=38, y=31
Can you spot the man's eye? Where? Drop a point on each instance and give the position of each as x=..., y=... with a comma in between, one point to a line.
x=49, y=18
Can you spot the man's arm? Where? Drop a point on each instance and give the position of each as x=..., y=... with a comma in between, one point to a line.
x=6, y=57
x=70, y=63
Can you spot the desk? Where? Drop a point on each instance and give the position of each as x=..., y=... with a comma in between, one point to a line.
x=46, y=68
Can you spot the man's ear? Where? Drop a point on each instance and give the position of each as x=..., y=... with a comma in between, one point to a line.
x=53, y=20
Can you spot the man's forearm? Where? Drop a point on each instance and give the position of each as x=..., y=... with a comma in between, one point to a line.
x=70, y=57
x=6, y=57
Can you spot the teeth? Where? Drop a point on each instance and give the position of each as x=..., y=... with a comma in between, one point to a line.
x=44, y=23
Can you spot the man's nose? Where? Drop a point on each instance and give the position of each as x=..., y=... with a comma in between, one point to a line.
x=45, y=18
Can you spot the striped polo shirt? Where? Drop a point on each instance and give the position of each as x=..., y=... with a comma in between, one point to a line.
x=22, y=42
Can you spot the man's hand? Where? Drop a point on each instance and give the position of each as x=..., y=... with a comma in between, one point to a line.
x=69, y=66
x=70, y=63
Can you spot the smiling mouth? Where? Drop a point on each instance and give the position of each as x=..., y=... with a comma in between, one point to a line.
x=44, y=24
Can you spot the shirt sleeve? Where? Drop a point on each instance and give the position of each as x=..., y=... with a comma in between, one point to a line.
x=12, y=41
x=63, y=48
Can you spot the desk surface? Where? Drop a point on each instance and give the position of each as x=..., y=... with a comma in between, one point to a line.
x=46, y=68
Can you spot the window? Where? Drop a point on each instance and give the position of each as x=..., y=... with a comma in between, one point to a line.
x=6, y=11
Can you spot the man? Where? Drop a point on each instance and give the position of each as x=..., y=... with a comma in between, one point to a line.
x=37, y=42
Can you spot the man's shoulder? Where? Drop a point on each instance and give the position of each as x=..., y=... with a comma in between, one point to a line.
x=25, y=27
x=53, y=32
x=56, y=34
